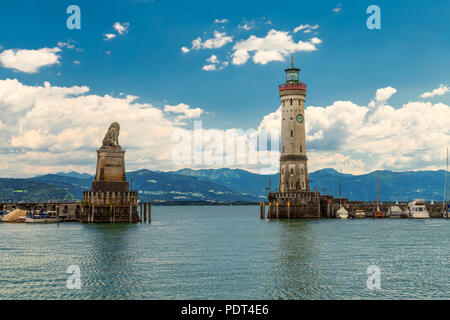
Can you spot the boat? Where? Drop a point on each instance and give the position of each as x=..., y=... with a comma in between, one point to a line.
x=16, y=215
x=39, y=217
x=395, y=212
x=378, y=213
x=417, y=210
x=342, y=213
x=359, y=214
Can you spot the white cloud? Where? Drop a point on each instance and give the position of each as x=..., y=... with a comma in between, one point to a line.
x=68, y=44
x=29, y=61
x=38, y=136
x=275, y=46
x=76, y=62
x=443, y=89
x=109, y=36
x=185, y=49
x=306, y=28
x=245, y=26
x=220, y=39
x=184, y=111
x=360, y=139
x=209, y=67
x=220, y=20
x=213, y=59
x=338, y=8
x=121, y=28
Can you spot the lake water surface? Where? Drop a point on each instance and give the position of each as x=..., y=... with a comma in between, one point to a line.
x=226, y=252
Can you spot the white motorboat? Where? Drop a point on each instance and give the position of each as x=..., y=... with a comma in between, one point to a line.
x=417, y=210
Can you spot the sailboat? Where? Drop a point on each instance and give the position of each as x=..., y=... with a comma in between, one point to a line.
x=378, y=213
x=342, y=213
x=446, y=203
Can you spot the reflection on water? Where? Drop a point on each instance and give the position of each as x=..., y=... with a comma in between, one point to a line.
x=225, y=253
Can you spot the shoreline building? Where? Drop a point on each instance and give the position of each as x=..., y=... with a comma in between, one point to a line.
x=294, y=199
x=110, y=199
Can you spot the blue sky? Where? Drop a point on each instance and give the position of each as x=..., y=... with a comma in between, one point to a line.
x=350, y=63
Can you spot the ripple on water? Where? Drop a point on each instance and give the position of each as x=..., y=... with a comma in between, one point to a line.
x=226, y=253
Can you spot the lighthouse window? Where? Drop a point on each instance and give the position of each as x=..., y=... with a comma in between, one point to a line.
x=292, y=133
x=291, y=102
x=292, y=170
x=301, y=149
x=283, y=103
x=283, y=148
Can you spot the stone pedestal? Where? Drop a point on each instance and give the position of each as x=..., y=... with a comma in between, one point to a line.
x=110, y=173
x=110, y=199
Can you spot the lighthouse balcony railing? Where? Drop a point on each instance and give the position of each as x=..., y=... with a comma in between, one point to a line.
x=292, y=86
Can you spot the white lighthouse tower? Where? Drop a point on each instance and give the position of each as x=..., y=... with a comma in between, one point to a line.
x=293, y=160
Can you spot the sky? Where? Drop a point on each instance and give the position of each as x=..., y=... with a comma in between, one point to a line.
x=376, y=98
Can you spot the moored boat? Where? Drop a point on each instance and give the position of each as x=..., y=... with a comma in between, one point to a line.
x=40, y=217
x=16, y=215
x=395, y=212
x=359, y=214
x=417, y=210
x=342, y=213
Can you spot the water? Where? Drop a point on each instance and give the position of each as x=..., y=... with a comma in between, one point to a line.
x=226, y=253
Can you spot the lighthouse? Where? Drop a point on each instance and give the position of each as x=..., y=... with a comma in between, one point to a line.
x=293, y=160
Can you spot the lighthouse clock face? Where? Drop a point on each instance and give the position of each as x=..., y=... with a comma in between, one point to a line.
x=299, y=118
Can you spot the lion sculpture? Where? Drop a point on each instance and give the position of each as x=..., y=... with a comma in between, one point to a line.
x=112, y=136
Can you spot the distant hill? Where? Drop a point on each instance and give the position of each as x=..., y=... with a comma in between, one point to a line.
x=394, y=186
x=158, y=185
x=229, y=185
x=236, y=179
x=17, y=190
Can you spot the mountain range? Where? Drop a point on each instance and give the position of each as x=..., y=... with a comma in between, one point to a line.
x=229, y=185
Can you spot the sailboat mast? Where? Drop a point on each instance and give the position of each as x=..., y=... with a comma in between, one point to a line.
x=378, y=189
x=445, y=188
x=340, y=188
x=446, y=182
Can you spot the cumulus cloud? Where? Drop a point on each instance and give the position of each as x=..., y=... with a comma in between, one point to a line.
x=209, y=67
x=120, y=28
x=109, y=36
x=275, y=46
x=245, y=26
x=342, y=135
x=443, y=89
x=220, y=39
x=307, y=28
x=185, y=49
x=48, y=129
x=213, y=59
x=29, y=61
x=184, y=111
